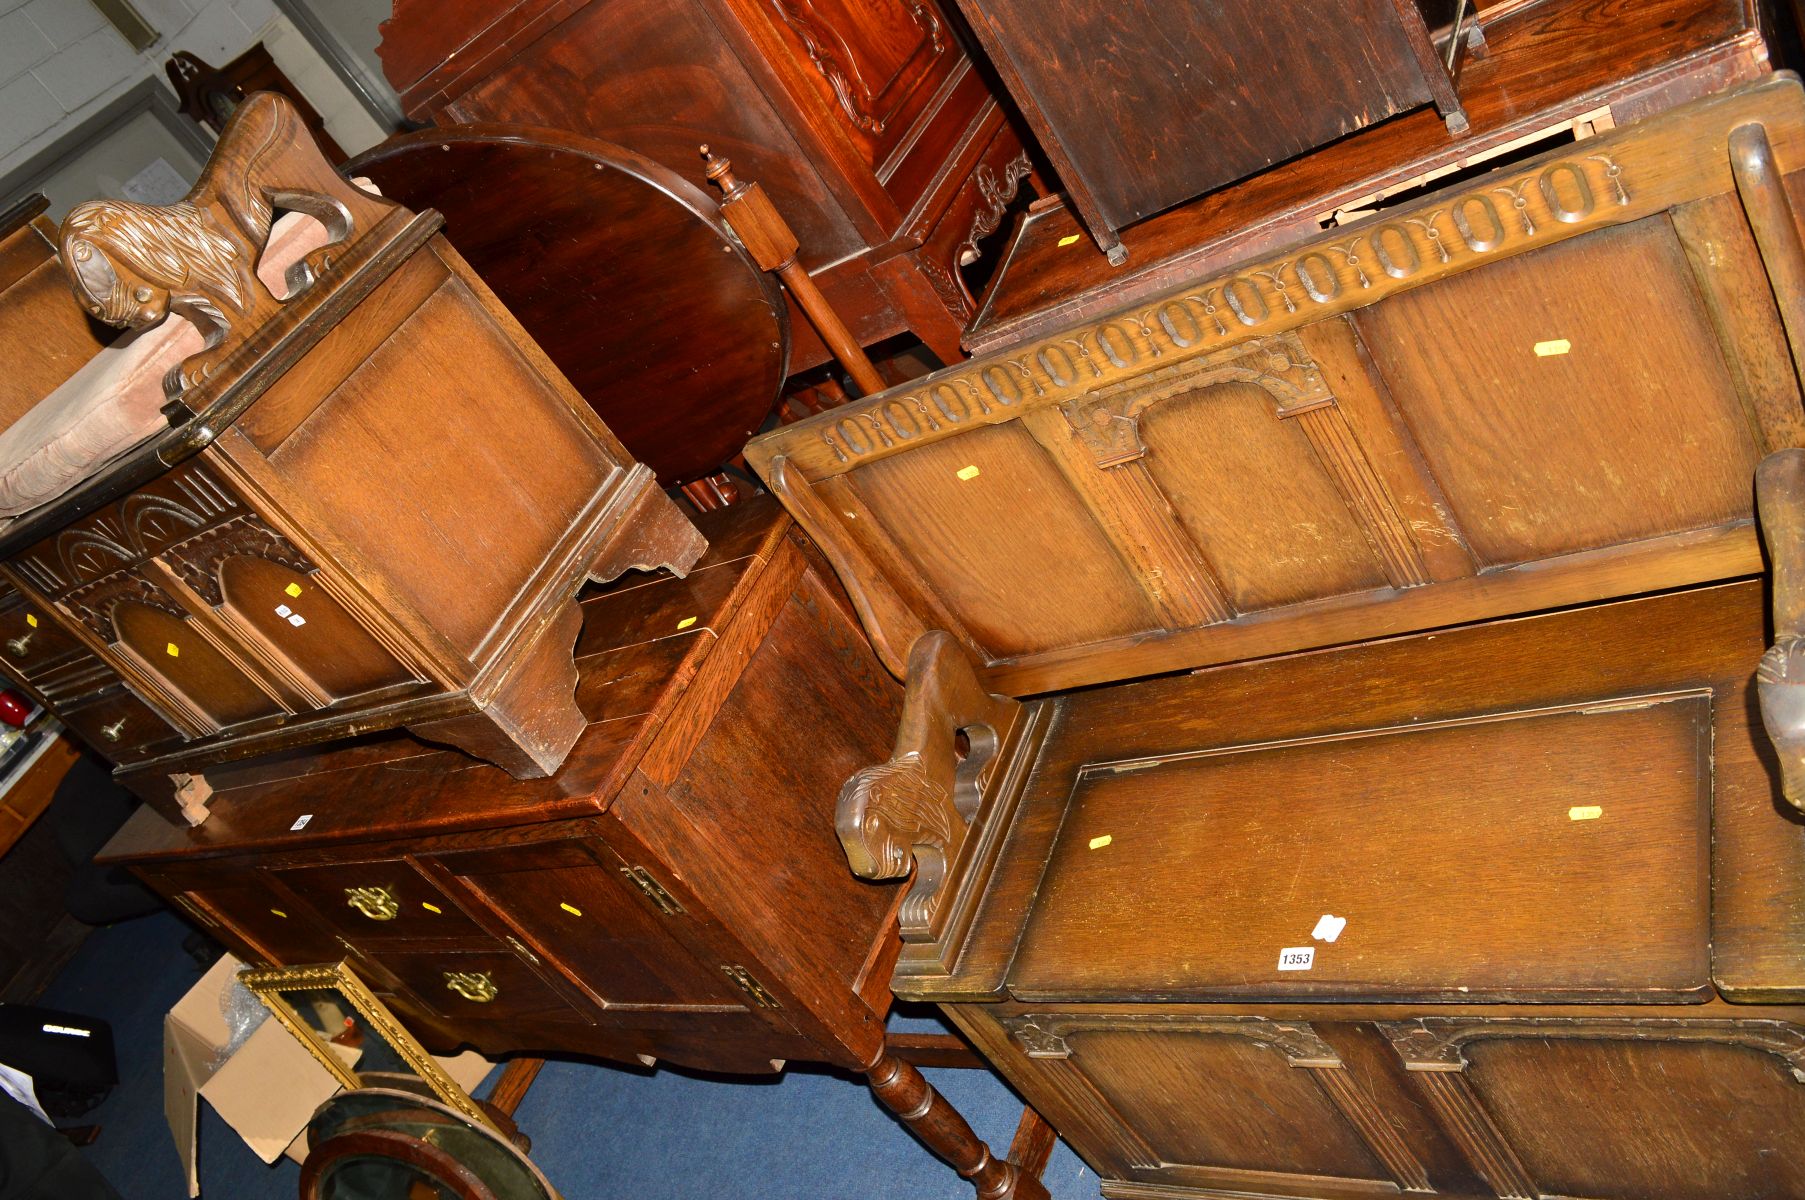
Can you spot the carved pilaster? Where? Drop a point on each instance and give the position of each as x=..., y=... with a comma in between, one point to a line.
x=1366, y=495
x=1380, y=1136
x=1126, y=501
x=1472, y=1130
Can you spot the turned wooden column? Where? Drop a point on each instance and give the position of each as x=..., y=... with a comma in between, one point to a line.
x=904, y=1091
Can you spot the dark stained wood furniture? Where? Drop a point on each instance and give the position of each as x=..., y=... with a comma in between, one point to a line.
x=675, y=892
x=872, y=129
x=373, y=506
x=1550, y=66
x=623, y=273
x=1140, y=106
x=209, y=95
x=1434, y=416
x=44, y=335
x=1513, y=910
x=1479, y=878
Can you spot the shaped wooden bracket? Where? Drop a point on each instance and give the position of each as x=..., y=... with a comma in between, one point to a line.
x=191, y=793
x=1780, y=679
x=940, y=804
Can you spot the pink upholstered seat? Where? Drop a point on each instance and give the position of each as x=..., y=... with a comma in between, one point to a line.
x=116, y=400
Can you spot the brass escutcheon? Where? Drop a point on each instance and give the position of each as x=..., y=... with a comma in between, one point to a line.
x=475, y=986
x=376, y=903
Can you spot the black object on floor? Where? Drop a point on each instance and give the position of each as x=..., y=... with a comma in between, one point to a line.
x=89, y=807
x=38, y=1163
x=68, y=1056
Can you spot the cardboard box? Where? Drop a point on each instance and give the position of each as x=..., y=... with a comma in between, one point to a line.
x=266, y=1090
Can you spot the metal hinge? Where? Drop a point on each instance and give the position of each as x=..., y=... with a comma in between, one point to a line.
x=642, y=879
x=520, y=949
x=744, y=981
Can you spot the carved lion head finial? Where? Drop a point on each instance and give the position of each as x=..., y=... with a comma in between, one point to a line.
x=885, y=811
x=131, y=263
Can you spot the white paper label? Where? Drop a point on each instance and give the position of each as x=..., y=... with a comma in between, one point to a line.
x=1297, y=958
x=300, y=822
x=1329, y=928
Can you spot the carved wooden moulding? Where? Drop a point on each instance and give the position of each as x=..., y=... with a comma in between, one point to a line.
x=373, y=505
x=1547, y=386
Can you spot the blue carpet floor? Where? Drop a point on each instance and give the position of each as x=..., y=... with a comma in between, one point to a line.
x=598, y=1132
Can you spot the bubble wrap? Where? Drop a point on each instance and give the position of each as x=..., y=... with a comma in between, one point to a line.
x=243, y=1013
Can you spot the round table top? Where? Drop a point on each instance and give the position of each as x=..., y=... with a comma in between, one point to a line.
x=622, y=271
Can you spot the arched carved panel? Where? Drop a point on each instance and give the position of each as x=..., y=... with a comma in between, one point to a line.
x=1207, y=1099
x=198, y=560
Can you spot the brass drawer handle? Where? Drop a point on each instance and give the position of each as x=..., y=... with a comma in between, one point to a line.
x=113, y=732
x=19, y=645
x=474, y=986
x=376, y=903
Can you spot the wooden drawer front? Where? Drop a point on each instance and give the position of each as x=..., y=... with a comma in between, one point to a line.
x=482, y=984
x=1616, y=1109
x=250, y=915
x=119, y=725
x=609, y=927
x=1241, y=1104
x=74, y=679
x=33, y=641
x=1557, y=853
x=382, y=899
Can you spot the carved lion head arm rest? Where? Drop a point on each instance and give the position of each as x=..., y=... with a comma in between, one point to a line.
x=1780, y=680
x=133, y=265
x=922, y=808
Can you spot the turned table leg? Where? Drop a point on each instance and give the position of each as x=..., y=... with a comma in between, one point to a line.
x=904, y=1091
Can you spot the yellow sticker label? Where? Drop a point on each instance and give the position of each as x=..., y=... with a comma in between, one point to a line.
x=280, y=913
x=172, y=650
x=1068, y=239
x=1550, y=349
x=293, y=589
x=686, y=622
x=31, y=619
x=572, y=909
x=1097, y=843
x=1585, y=812
x=968, y=472
x=431, y=908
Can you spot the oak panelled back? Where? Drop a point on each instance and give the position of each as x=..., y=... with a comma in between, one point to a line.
x=1547, y=386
